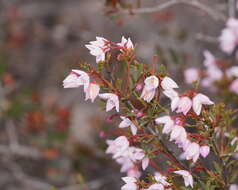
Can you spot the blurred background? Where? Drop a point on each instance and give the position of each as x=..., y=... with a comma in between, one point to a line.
x=50, y=137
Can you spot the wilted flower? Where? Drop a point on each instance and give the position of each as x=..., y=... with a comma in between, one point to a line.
x=130, y=183
x=188, y=179
x=128, y=123
x=198, y=101
x=92, y=91
x=98, y=48
x=112, y=101
x=191, y=75
x=167, y=83
x=75, y=79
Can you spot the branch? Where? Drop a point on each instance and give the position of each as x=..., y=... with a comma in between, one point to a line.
x=14, y=148
x=216, y=15
x=206, y=38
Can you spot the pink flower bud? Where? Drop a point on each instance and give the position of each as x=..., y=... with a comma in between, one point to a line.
x=138, y=87
x=204, y=151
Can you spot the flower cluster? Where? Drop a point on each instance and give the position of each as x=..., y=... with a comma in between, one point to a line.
x=127, y=156
x=138, y=98
x=217, y=70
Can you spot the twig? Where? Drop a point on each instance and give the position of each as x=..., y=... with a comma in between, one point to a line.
x=14, y=148
x=232, y=8
x=216, y=15
x=19, y=150
x=206, y=38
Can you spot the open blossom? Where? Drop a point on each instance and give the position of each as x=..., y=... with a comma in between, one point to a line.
x=92, y=91
x=118, y=146
x=128, y=123
x=130, y=183
x=161, y=179
x=234, y=86
x=184, y=105
x=188, y=178
x=178, y=134
x=192, y=152
x=112, y=101
x=149, y=90
x=133, y=172
x=229, y=36
x=156, y=186
x=191, y=75
x=168, y=123
x=174, y=97
x=98, y=48
x=126, y=43
x=204, y=151
x=233, y=187
x=232, y=72
x=198, y=101
x=75, y=79
x=213, y=72
x=167, y=83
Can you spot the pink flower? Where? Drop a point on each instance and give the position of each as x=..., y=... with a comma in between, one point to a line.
x=98, y=48
x=210, y=60
x=161, y=179
x=130, y=183
x=92, y=91
x=233, y=187
x=168, y=83
x=213, y=72
x=168, y=123
x=151, y=83
x=156, y=186
x=75, y=79
x=204, y=151
x=234, y=86
x=118, y=146
x=198, y=101
x=126, y=43
x=173, y=96
x=184, y=105
x=192, y=152
x=128, y=123
x=145, y=163
x=133, y=172
x=178, y=134
x=112, y=101
x=188, y=179
x=232, y=72
x=191, y=75
x=229, y=36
